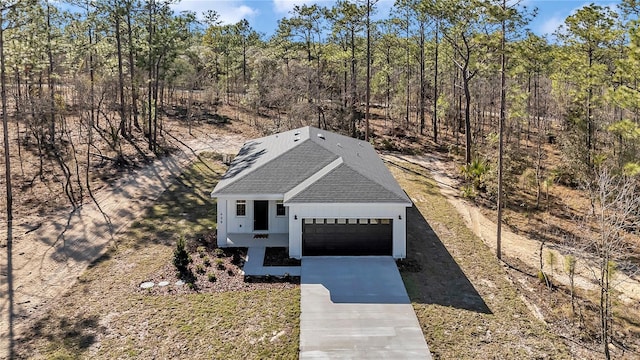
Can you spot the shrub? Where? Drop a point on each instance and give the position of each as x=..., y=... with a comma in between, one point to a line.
x=200, y=269
x=206, y=261
x=219, y=252
x=468, y=192
x=211, y=277
x=475, y=172
x=181, y=258
x=202, y=251
x=220, y=264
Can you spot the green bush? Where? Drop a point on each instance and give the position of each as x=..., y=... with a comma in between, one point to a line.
x=202, y=251
x=181, y=258
x=206, y=261
x=200, y=269
x=475, y=173
x=219, y=252
x=220, y=264
x=211, y=277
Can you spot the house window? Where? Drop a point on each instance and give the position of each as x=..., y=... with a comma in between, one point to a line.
x=280, y=209
x=241, y=207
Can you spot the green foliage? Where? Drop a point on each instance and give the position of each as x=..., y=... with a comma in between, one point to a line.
x=468, y=192
x=626, y=129
x=631, y=169
x=543, y=278
x=551, y=259
x=200, y=269
x=475, y=172
x=211, y=277
x=202, y=251
x=206, y=261
x=181, y=258
x=218, y=252
x=220, y=264
x=570, y=264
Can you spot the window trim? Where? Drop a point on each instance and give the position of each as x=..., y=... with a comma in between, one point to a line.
x=244, y=204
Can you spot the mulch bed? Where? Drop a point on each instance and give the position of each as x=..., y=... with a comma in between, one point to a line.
x=279, y=256
x=208, y=261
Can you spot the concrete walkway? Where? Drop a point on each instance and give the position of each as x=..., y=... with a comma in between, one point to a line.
x=357, y=308
x=254, y=267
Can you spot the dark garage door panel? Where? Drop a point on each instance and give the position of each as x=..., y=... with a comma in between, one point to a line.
x=347, y=239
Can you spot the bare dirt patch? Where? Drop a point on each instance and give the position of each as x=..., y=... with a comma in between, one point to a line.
x=105, y=314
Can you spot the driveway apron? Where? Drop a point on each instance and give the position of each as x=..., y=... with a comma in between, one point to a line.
x=357, y=308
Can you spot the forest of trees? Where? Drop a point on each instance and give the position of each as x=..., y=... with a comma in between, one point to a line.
x=467, y=75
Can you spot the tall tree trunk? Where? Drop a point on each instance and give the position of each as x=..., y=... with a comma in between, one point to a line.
x=503, y=91
x=368, y=96
x=422, y=80
x=9, y=191
x=435, y=87
x=467, y=115
x=150, y=93
x=52, y=104
x=121, y=106
x=132, y=68
x=353, y=84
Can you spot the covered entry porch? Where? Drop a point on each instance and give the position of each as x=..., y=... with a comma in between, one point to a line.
x=257, y=240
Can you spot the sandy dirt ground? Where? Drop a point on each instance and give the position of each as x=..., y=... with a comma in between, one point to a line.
x=515, y=245
x=48, y=258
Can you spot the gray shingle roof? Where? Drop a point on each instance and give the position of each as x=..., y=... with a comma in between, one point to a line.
x=330, y=167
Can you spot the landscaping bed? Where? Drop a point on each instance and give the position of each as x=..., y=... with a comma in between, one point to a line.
x=279, y=256
x=212, y=269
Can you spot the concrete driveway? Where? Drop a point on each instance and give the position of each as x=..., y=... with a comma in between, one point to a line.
x=357, y=308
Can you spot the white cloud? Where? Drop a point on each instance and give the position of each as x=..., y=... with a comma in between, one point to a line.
x=551, y=25
x=285, y=6
x=230, y=11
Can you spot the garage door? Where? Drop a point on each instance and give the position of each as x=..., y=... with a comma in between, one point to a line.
x=347, y=237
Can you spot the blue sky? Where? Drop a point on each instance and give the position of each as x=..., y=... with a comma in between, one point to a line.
x=264, y=14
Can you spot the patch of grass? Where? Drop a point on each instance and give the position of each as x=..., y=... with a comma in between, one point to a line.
x=466, y=305
x=106, y=316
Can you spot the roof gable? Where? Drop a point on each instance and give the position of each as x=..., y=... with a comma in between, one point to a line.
x=311, y=165
x=354, y=188
x=280, y=174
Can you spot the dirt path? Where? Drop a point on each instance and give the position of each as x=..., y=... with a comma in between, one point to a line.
x=49, y=259
x=514, y=245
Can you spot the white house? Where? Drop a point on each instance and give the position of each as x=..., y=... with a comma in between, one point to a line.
x=319, y=192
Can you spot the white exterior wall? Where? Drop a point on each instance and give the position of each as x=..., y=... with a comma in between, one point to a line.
x=228, y=222
x=396, y=212
x=221, y=222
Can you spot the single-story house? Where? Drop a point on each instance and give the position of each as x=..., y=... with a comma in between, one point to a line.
x=320, y=192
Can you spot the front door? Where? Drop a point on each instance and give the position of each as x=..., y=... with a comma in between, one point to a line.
x=260, y=215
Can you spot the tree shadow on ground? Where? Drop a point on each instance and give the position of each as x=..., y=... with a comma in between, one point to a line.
x=66, y=335
x=437, y=278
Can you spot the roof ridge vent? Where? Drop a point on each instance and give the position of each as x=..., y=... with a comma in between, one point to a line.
x=321, y=136
x=296, y=133
x=339, y=145
x=297, y=138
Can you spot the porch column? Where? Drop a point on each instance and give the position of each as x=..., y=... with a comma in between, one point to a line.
x=221, y=222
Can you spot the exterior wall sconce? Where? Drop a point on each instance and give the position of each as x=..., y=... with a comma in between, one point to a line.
x=399, y=217
x=295, y=217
